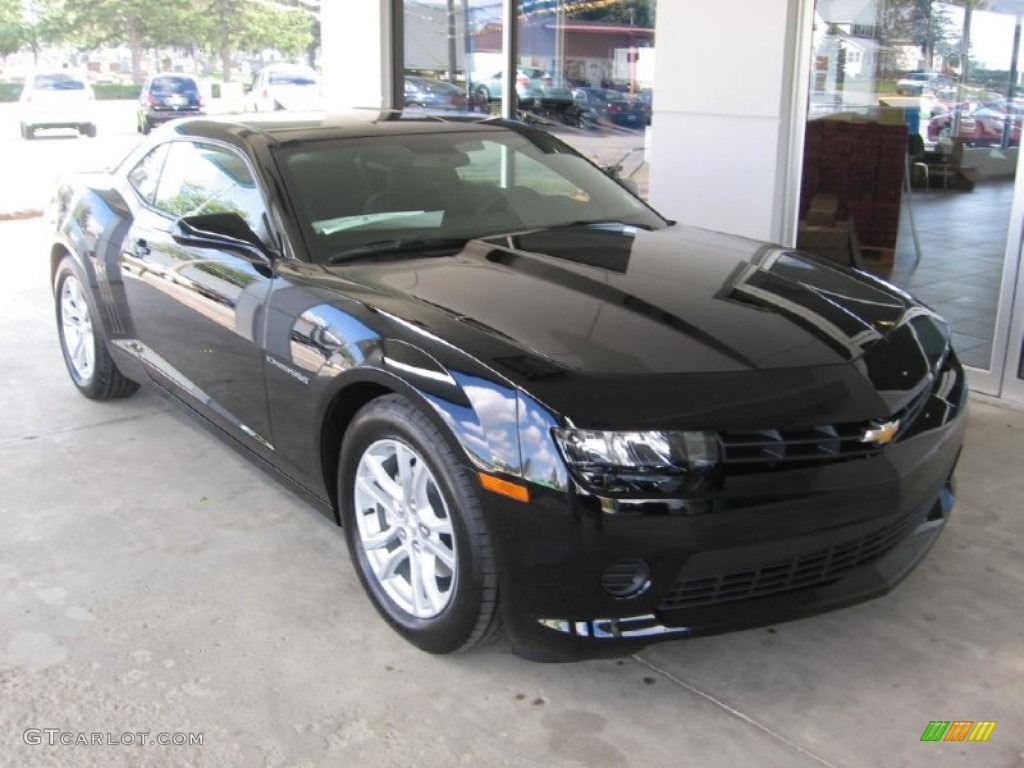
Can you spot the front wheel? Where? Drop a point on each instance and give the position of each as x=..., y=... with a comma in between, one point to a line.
x=415, y=529
x=92, y=369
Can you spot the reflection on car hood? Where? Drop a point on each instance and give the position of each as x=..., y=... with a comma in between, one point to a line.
x=612, y=299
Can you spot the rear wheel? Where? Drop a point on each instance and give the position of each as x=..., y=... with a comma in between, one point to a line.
x=415, y=529
x=81, y=339
x=28, y=132
x=89, y=129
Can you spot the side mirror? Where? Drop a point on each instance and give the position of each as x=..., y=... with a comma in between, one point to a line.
x=223, y=231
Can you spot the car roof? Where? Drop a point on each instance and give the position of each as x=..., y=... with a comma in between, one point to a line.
x=291, y=128
x=172, y=76
x=287, y=68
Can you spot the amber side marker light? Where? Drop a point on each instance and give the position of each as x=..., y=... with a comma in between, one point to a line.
x=504, y=487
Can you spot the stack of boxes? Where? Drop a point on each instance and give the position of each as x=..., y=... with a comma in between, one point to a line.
x=861, y=165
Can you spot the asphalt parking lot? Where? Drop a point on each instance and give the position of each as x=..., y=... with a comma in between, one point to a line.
x=153, y=581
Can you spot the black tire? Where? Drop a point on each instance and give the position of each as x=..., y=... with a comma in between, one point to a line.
x=147, y=126
x=28, y=132
x=101, y=380
x=470, y=616
x=483, y=95
x=88, y=130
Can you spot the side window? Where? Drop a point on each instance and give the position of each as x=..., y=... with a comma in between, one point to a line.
x=143, y=177
x=202, y=178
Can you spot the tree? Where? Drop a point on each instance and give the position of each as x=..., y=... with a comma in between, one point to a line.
x=138, y=24
x=638, y=13
x=925, y=23
x=244, y=25
x=12, y=28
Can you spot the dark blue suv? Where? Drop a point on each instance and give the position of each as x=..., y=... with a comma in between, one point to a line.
x=168, y=97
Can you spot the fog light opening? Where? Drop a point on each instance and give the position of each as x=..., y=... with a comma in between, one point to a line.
x=626, y=578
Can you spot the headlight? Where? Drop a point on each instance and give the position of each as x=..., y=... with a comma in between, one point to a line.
x=622, y=462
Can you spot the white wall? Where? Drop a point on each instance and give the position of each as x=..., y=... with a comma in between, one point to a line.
x=723, y=110
x=354, y=52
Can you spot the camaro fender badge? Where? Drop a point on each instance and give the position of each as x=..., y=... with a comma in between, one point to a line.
x=290, y=371
x=882, y=434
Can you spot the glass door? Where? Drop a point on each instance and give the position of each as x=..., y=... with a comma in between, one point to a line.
x=940, y=215
x=1013, y=378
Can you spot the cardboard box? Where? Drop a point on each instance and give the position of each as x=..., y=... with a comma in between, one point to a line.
x=823, y=211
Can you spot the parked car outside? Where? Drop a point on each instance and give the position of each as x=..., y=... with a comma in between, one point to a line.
x=979, y=124
x=428, y=94
x=603, y=106
x=534, y=88
x=57, y=100
x=168, y=97
x=291, y=87
x=918, y=83
x=528, y=398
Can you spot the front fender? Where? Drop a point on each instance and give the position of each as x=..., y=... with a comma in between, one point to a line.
x=326, y=360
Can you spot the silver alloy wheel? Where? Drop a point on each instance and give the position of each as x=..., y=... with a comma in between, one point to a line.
x=404, y=528
x=76, y=329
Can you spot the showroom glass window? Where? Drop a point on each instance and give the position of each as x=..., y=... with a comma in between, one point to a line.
x=585, y=70
x=913, y=130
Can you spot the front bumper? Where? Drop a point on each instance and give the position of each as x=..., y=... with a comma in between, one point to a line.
x=809, y=541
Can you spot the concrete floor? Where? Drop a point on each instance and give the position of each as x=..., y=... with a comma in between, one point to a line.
x=151, y=580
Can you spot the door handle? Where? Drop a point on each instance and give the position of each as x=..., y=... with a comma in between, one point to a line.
x=142, y=248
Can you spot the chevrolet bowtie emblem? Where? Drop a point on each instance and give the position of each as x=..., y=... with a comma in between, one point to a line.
x=882, y=434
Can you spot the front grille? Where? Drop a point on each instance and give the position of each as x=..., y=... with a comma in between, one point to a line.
x=814, y=568
x=755, y=450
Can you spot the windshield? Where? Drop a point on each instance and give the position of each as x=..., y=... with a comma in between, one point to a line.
x=174, y=85
x=351, y=192
x=58, y=82
x=292, y=78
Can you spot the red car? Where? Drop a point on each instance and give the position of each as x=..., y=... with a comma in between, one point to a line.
x=979, y=124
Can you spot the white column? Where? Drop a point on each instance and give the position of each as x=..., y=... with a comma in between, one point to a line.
x=729, y=89
x=356, y=53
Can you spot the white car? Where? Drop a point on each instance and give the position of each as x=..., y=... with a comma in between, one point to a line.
x=57, y=100
x=289, y=87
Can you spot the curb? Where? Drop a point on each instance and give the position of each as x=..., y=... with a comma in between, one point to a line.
x=30, y=213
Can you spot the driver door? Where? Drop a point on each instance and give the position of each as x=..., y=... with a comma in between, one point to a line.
x=198, y=312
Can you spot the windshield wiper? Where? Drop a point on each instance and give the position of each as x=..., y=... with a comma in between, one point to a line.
x=425, y=246
x=600, y=223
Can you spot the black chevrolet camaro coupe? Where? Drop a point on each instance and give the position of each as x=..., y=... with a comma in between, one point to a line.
x=529, y=399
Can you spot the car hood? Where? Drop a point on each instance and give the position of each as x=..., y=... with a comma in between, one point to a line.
x=613, y=299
